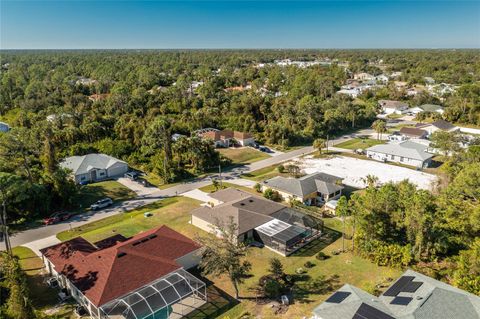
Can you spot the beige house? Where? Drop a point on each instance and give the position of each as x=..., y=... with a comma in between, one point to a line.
x=313, y=189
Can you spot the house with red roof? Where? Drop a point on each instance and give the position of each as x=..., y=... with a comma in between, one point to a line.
x=226, y=138
x=144, y=276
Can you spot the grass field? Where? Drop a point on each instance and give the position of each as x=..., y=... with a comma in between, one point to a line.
x=90, y=193
x=357, y=143
x=42, y=296
x=174, y=212
x=210, y=188
x=264, y=173
x=243, y=155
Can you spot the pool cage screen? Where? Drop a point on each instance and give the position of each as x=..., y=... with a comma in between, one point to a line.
x=171, y=296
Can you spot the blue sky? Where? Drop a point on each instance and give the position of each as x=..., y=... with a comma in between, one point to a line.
x=239, y=24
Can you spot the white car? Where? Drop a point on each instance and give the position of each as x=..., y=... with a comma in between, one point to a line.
x=101, y=204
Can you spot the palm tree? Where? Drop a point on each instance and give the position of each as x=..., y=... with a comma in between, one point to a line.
x=319, y=144
x=380, y=127
x=370, y=180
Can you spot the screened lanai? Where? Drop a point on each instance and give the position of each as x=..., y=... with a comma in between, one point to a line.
x=172, y=296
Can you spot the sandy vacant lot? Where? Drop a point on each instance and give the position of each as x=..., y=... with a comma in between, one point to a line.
x=353, y=170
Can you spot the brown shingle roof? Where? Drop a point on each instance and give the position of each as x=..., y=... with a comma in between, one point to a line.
x=412, y=131
x=105, y=274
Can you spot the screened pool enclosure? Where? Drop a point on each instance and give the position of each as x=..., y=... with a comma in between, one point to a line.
x=172, y=296
x=288, y=231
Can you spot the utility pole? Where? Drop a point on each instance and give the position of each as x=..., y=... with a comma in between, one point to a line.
x=327, y=143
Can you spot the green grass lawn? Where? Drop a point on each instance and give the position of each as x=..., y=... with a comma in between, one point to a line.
x=90, y=193
x=42, y=296
x=264, y=174
x=174, y=212
x=313, y=287
x=357, y=143
x=210, y=188
x=243, y=155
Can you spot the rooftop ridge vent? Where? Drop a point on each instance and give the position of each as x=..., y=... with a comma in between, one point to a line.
x=136, y=243
x=121, y=254
x=152, y=236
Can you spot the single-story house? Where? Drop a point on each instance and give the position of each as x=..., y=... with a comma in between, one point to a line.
x=312, y=189
x=396, y=137
x=280, y=228
x=353, y=93
x=441, y=125
x=392, y=107
x=406, y=152
x=363, y=76
x=94, y=167
x=427, y=108
x=225, y=138
x=144, y=276
x=412, y=296
x=4, y=127
x=413, y=132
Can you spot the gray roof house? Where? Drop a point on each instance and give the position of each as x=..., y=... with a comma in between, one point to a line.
x=412, y=296
x=406, y=152
x=310, y=189
x=94, y=167
x=277, y=226
x=4, y=127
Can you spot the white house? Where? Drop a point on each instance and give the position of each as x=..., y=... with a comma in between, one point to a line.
x=363, y=76
x=407, y=152
x=4, y=127
x=382, y=78
x=392, y=107
x=441, y=125
x=426, y=108
x=94, y=167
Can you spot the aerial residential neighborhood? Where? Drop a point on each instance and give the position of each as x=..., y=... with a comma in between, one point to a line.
x=240, y=159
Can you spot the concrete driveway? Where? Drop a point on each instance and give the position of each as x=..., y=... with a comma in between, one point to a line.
x=138, y=188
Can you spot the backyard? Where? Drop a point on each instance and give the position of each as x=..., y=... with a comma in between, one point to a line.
x=243, y=155
x=359, y=143
x=312, y=287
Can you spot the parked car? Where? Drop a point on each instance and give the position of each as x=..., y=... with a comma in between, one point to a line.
x=131, y=175
x=255, y=145
x=264, y=149
x=256, y=244
x=144, y=182
x=101, y=204
x=80, y=311
x=56, y=218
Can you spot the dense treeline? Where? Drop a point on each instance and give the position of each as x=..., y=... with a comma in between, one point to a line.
x=140, y=98
x=400, y=225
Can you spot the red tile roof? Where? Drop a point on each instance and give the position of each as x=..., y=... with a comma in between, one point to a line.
x=105, y=274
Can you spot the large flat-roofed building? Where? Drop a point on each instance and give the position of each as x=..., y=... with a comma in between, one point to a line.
x=281, y=228
x=129, y=278
x=412, y=296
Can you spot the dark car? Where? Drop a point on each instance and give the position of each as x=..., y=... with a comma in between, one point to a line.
x=256, y=244
x=264, y=149
x=131, y=175
x=56, y=218
x=144, y=182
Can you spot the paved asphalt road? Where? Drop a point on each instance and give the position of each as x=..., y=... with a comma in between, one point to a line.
x=23, y=237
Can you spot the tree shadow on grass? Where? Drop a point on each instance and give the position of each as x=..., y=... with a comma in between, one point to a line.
x=311, y=249
x=317, y=286
x=218, y=301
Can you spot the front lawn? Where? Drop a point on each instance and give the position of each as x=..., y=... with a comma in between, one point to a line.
x=210, y=188
x=264, y=173
x=173, y=212
x=243, y=155
x=90, y=193
x=357, y=143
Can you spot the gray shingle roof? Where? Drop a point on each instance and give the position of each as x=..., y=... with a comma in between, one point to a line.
x=430, y=107
x=247, y=210
x=432, y=300
x=83, y=164
x=406, y=149
x=305, y=185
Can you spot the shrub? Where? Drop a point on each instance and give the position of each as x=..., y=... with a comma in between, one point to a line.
x=258, y=187
x=300, y=271
x=309, y=264
x=321, y=256
x=281, y=169
x=272, y=195
x=272, y=288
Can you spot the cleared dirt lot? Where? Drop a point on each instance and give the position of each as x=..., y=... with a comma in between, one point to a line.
x=354, y=169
